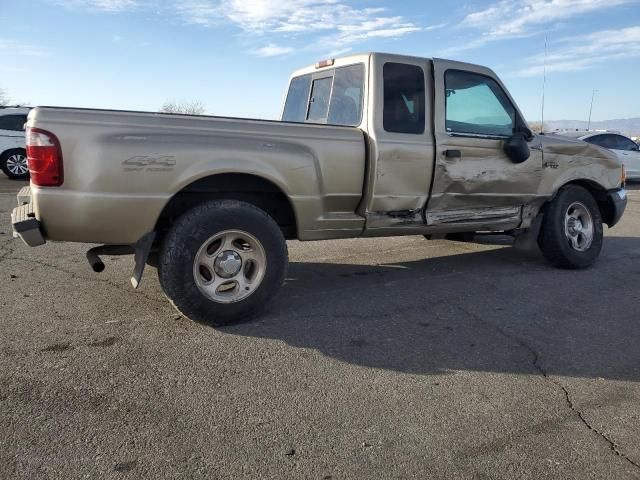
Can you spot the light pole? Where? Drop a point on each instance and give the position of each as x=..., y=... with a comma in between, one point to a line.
x=593, y=96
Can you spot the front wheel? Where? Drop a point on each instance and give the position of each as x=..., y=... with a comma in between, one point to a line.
x=572, y=232
x=222, y=262
x=14, y=164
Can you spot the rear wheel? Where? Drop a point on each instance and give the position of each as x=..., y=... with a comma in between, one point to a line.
x=14, y=164
x=222, y=261
x=572, y=231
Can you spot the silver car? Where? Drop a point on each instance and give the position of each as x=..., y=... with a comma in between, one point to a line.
x=626, y=149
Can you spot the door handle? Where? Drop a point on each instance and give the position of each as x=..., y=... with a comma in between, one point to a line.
x=453, y=154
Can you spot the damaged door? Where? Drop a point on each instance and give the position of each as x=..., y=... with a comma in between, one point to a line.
x=400, y=144
x=475, y=181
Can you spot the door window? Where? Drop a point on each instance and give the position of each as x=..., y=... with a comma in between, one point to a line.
x=404, y=98
x=623, y=143
x=477, y=105
x=14, y=123
x=599, y=140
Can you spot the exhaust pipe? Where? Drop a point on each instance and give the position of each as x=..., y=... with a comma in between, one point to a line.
x=96, y=264
x=93, y=255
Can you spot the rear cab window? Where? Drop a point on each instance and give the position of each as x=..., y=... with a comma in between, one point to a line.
x=333, y=97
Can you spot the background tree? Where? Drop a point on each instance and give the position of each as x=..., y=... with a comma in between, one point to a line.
x=190, y=108
x=4, y=100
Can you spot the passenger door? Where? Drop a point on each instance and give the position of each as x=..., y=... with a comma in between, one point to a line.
x=475, y=182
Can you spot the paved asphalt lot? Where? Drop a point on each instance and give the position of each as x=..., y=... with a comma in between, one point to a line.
x=385, y=358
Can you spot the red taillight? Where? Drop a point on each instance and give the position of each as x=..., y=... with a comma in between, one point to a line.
x=45, y=158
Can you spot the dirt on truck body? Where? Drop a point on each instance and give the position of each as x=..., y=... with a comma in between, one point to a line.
x=368, y=145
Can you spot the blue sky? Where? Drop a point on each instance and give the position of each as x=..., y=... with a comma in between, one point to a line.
x=235, y=56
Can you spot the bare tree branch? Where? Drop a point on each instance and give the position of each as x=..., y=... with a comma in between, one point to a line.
x=190, y=108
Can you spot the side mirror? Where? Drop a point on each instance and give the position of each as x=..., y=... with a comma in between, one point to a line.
x=528, y=134
x=517, y=148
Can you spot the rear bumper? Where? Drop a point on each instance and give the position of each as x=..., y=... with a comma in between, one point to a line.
x=617, y=200
x=24, y=222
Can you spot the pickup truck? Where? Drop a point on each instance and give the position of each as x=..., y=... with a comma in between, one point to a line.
x=369, y=145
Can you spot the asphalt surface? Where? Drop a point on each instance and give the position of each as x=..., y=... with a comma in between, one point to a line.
x=383, y=358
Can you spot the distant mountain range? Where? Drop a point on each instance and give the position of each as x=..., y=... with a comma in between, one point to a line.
x=627, y=126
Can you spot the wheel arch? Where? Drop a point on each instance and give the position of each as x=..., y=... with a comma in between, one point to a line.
x=599, y=193
x=254, y=189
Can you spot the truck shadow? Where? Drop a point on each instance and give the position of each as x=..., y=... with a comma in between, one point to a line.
x=493, y=311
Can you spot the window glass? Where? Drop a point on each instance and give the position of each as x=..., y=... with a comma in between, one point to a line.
x=346, y=100
x=623, y=143
x=13, y=122
x=295, y=108
x=476, y=104
x=404, y=98
x=599, y=140
x=319, y=103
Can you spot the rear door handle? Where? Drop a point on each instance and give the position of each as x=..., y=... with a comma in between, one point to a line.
x=453, y=153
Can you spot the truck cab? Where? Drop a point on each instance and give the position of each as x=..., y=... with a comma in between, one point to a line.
x=448, y=148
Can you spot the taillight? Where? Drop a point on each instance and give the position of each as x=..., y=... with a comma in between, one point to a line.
x=45, y=158
x=623, y=177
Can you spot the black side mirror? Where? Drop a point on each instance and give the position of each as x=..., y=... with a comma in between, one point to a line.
x=517, y=148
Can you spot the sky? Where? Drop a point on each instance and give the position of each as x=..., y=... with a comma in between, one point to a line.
x=236, y=56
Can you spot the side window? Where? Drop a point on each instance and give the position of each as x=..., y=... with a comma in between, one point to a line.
x=623, y=143
x=319, y=103
x=295, y=108
x=404, y=98
x=599, y=140
x=13, y=122
x=477, y=105
x=346, y=100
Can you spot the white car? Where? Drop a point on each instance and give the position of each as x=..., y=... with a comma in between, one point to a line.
x=13, y=156
x=626, y=149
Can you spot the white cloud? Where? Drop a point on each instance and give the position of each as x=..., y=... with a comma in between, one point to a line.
x=586, y=51
x=103, y=5
x=507, y=19
x=313, y=24
x=272, y=50
x=516, y=17
x=20, y=48
x=338, y=23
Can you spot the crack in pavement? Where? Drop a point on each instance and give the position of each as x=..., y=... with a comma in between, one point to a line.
x=76, y=275
x=567, y=396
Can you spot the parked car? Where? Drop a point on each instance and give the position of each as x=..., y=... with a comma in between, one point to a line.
x=13, y=156
x=369, y=146
x=626, y=149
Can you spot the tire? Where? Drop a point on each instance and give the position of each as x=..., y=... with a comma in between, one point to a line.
x=203, y=249
x=14, y=164
x=572, y=244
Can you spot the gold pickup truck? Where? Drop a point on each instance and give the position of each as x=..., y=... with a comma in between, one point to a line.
x=368, y=145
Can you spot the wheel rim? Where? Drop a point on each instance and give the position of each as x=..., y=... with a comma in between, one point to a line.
x=230, y=266
x=17, y=164
x=579, y=227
